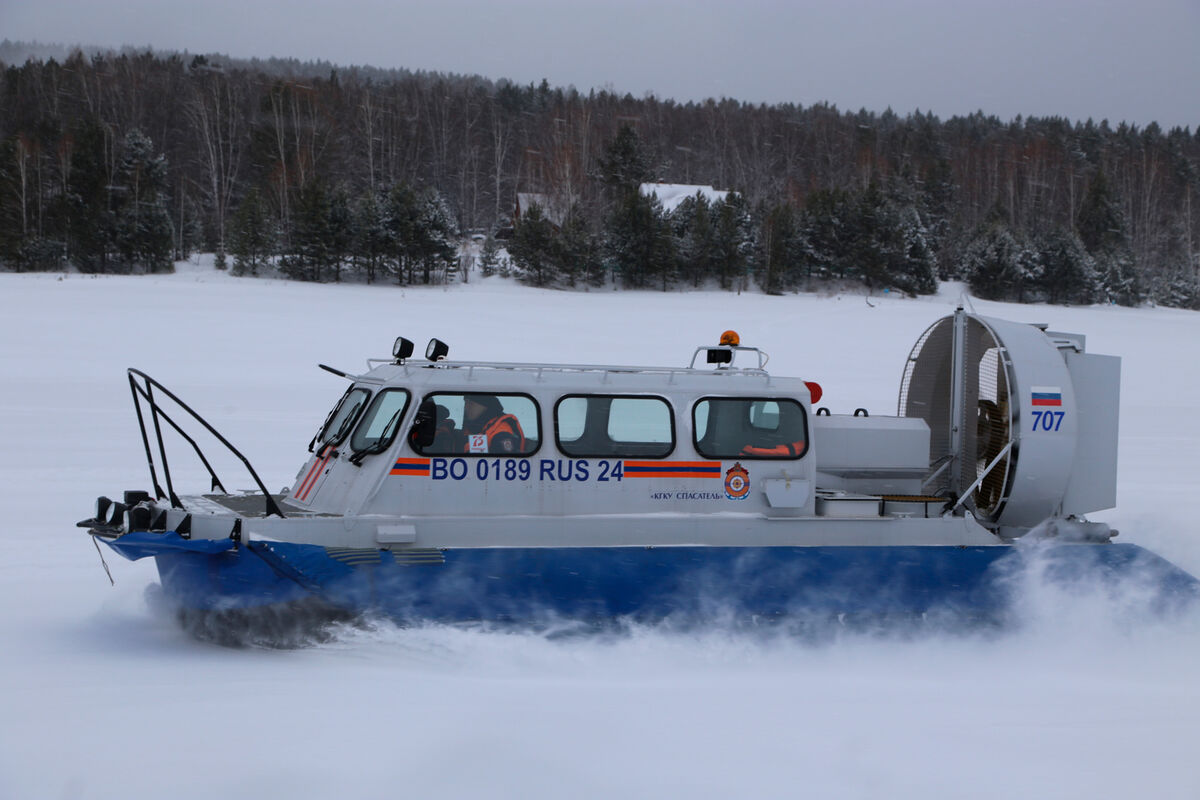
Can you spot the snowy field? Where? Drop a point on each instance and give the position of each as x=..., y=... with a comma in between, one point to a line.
x=103, y=697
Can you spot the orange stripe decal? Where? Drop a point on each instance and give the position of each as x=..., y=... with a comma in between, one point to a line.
x=311, y=480
x=307, y=476
x=416, y=467
x=672, y=469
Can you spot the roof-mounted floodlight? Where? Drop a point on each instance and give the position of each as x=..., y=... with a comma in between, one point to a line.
x=720, y=355
x=437, y=350
x=402, y=349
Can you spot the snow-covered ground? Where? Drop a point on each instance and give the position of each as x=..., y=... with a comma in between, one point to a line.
x=102, y=697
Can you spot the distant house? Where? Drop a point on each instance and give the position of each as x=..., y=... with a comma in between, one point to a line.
x=553, y=209
x=671, y=195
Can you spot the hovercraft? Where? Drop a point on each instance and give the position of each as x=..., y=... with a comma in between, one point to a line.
x=459, y=491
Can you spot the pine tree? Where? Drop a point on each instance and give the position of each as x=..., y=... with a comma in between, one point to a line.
x=25, y=245
x=692, y=222
x=1180, y=288
x=912, y=267
x=778, y=246
x=1030, y=272
x=937, y=209
x=637, y=243
x=143, y=234
x=89, y=220
x=991, y=264
x=1119, y=278
x=1100, y=224
x=733, y=240
x=624, y=164
x=341, y=231
x=190, y=236
x=532, y=248
x=251, y=239
x=400, y=223
x=372, y=239
x=312, y=249
x=576, y=257
x=870, y=235
x=1068, y=271
x=1102, y=230
x=825, y=235
x=14, y=216
x=662, y=262
x=489, y=257
x=434, y=235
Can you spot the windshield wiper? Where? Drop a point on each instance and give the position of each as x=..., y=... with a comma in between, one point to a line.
x=381, y=444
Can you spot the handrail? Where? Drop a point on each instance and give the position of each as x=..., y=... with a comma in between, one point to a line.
x=546, y=367
x=732, y=349
x=156, y=412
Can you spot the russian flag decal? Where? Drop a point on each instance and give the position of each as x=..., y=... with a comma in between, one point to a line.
x=1046, y=395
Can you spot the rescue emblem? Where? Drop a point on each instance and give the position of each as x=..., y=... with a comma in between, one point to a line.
x=737, y=482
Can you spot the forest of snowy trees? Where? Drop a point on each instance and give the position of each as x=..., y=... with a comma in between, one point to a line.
x=125, y=162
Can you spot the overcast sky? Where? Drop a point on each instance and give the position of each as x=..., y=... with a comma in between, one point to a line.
x=1137, y=60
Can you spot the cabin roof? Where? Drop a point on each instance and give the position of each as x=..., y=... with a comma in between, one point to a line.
x=530, y=377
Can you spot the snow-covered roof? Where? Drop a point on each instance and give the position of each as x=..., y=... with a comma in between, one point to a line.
x=672, y=194
x=553, y=208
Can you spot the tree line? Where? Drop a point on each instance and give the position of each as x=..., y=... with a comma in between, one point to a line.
x=122, y=162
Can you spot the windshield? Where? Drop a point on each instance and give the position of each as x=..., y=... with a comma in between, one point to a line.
x=343, y=416
x=380, y=423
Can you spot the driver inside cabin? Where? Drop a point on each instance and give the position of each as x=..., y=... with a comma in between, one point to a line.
x=486, y=428
x=760, y=428
x=780, y=435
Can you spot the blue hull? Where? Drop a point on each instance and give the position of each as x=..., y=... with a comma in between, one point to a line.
x=639, y=583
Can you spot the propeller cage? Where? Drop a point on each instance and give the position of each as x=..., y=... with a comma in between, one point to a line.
x=1012, y=462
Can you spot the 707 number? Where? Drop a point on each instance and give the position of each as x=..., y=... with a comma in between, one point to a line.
x=1048, y=420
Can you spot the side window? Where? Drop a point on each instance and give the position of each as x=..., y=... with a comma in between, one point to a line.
x=476, y=424
x=768, y=428
x=605, y=426
x=379, y=425
x=341, y=420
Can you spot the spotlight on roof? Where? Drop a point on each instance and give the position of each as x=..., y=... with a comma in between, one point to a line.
x=402, y=349
x=437, y=350
x=720, y=356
